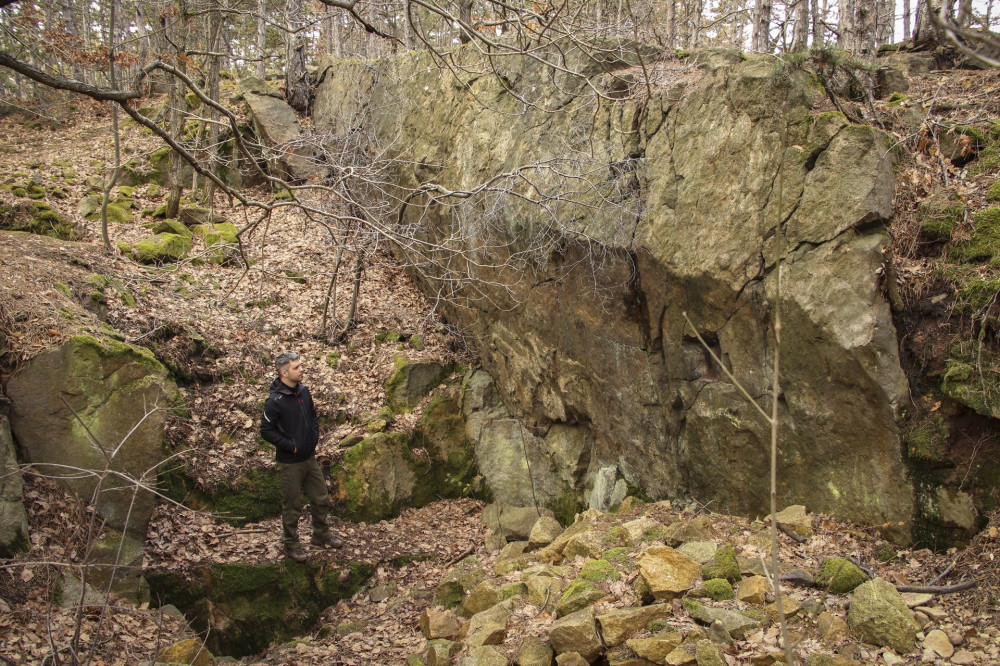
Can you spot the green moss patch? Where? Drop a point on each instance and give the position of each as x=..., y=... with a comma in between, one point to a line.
x=723, y=565
x=719, y=589
x=162, y=248
x=169, y=226
x=261, y=603
x=939, y=216
x=970, y=378
x=840, y=576
x=249, y=499
x=599, y=570
x=927, y=440
x=984, y=243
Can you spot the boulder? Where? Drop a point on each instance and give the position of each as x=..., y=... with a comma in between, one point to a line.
x=577, y=632
x=285, y=144
x=878, y=615
x=439, y=652
x=735, y=622
x=797, y=519
x=668, y=573
x=839, y=575
x=459, y=582
x=188, y=651
x=482, y=597
x=707, y=653
x=545, y=530
x=514, y=523
x=485, y=655
x=534, y=652
x=832, y=630
x=753, y=590
x=589, y=544
x=380, y=475
x=579, y=594
x=13, y=517
x=543, y=591
x=724, y=564
x=571, y=659
x=656, y=647
x=436, y=623
x=609, y=490
x=701, y=552
x=619, y=625
x=162, y=248
x=95, y=405
x=413, y=381
x=642, y=529
x=488, y=627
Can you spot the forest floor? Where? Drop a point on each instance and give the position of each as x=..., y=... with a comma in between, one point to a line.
x=248, y=317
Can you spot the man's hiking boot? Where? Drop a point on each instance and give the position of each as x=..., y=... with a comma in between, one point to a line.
x=327, y=541
x=296, y=553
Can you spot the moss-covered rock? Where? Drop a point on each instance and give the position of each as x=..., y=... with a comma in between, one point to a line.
x=162, y=248
x=242, y=608
x=251, y=498
x=927, y=440
x=984, y=243
x=412, y=381
x=169, y=226
x=839, y=575
x=578, y=595
x=387, y=471
x=220, y=239
x=939, y=216
x=110, y=386
x=719, y=589
x=599, y=570
x=724, y=564
x=970, y=378
x=993, y=194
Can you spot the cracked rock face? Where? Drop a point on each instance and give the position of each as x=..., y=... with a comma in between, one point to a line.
x=642, y=215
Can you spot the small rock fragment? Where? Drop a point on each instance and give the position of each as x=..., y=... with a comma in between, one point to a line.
x=937, y=641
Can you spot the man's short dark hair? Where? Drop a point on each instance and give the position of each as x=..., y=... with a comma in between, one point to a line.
x=283, y=360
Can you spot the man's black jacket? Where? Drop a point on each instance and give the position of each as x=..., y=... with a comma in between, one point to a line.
x=290, y=422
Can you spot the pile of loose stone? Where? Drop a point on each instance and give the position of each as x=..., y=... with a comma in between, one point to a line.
x=668, y=588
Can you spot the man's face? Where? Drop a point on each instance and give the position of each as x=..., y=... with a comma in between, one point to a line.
x=294, y=372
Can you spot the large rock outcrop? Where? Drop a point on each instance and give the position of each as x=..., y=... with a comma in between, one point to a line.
x=622, y=214
x=90, y=413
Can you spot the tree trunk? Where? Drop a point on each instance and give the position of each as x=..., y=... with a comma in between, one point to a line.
x=261, y=39
x=762, y=26
x=847, y=27
x=800, y=34
x=296, y=77
x=924, y=36
x=465, y=17
x=818, y=29
x=964, y=13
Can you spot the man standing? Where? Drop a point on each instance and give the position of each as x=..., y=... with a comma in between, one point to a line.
x=291, y=424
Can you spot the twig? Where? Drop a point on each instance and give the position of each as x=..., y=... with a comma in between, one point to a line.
x=943, y=573
x=465, y=553
x=939, y=589
x=788, y=532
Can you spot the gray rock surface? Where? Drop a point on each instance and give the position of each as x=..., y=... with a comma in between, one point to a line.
x=278, y=128
x=618, y=367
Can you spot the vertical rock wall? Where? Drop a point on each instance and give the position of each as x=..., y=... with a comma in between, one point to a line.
x=621, y=213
